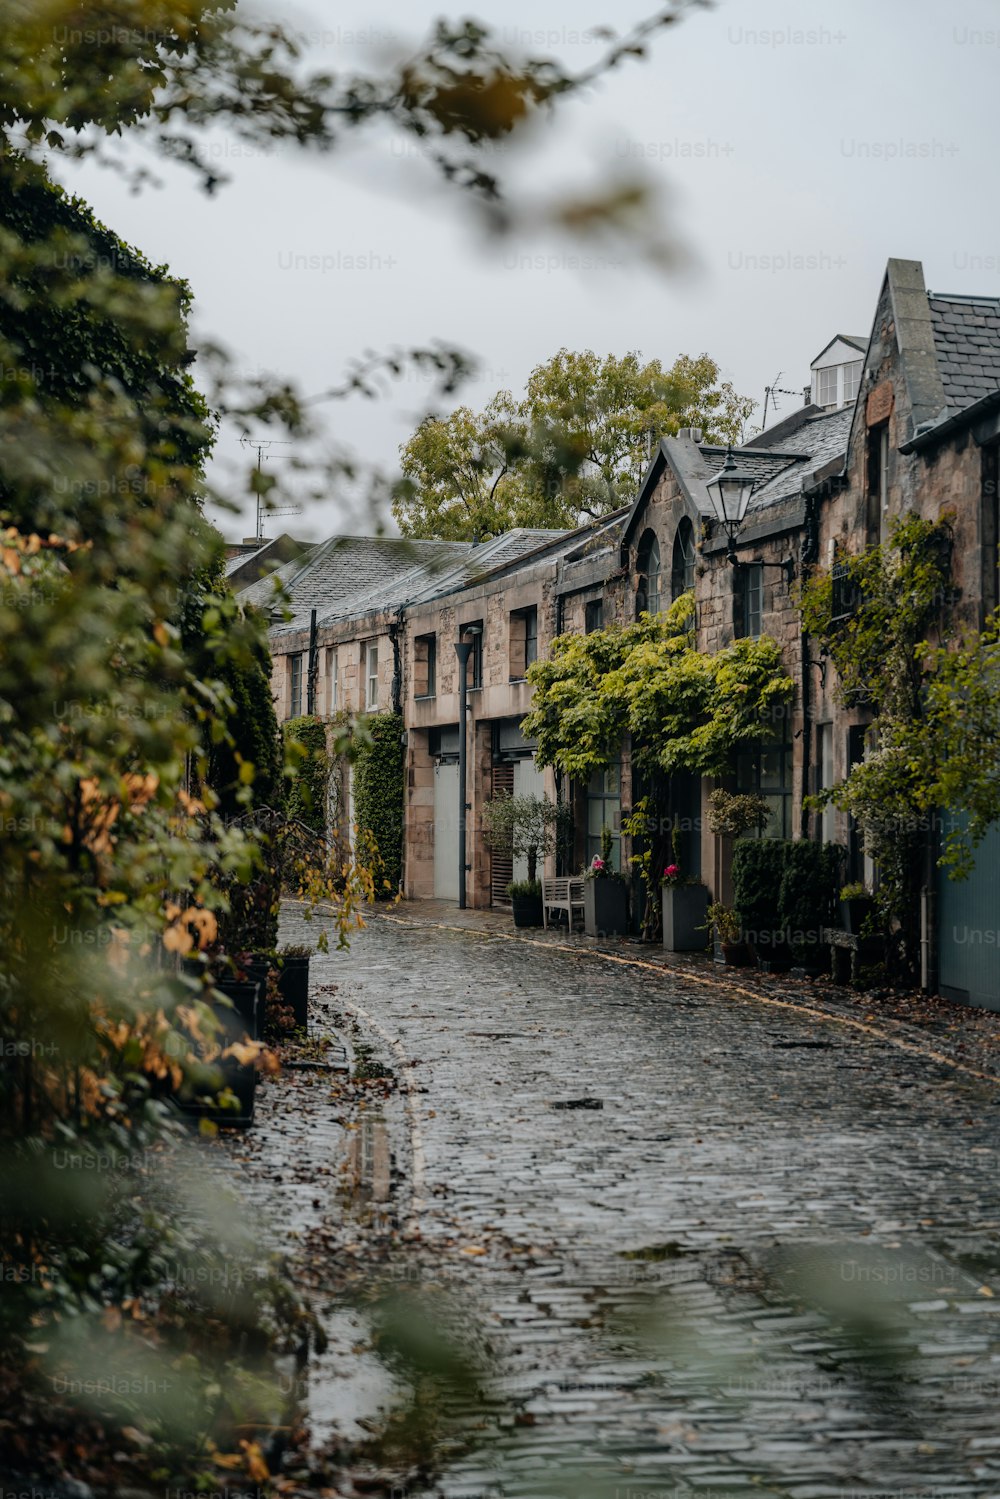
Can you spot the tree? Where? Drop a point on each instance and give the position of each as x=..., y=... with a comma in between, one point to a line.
x=574, y=447
x=528, y=827
x=120, y=659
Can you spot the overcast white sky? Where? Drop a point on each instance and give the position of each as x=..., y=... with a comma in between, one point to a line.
x=843, y=133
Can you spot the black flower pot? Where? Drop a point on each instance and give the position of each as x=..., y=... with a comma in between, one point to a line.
x=238, y=1020
x=526, y=909
x=293, y=986
x=855, y=912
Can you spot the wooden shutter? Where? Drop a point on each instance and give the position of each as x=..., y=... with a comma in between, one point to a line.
x=501, y=863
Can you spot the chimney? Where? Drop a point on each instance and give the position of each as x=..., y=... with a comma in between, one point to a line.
x=690, y=434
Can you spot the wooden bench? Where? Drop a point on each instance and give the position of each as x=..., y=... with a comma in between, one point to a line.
x=848, y=952
x=562, y=895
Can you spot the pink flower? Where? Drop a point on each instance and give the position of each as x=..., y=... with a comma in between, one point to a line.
x=597, y=862
x=671, y=872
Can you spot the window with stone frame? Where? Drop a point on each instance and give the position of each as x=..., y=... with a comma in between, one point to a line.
x=766, y=770
x=877, y=487
x=682, y=564
x=425, y=666
x=647, y=597
x=523, y=641
x=295, y=685
x=593, y=616
x=748, y=593
x=604, y=810
x=371, y=676
x=989, y=521
x=332, y=679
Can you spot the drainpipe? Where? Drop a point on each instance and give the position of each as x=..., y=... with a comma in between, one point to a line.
x=397, y=662
x=463, y=649
x=313, y=666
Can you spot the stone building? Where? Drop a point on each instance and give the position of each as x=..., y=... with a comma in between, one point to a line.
x=906, y=419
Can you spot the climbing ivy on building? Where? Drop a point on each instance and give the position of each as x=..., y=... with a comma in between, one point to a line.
x=873, y=619
x=378, y=795
x=307, y=764
x=685, y=709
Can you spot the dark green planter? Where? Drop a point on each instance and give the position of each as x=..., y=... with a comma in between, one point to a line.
x=526, y=909
x=685, y=918
x=243, y=1019
x=293, y=986
x=854, y=913
x=605, y=907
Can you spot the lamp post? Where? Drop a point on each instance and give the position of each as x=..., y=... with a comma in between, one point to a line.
x=463, y=649
x=730, y=492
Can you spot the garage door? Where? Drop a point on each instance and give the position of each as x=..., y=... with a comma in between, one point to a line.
x=446, y=831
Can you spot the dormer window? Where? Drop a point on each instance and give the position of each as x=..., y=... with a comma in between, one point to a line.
x=837, y=384
x=647, y=596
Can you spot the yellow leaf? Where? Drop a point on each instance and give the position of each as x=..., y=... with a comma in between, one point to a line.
x=257, y=1468
x=985, y=1291
x=160, y=633
x=473, y=1249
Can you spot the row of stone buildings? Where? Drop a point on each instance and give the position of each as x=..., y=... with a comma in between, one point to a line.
x=906, y=419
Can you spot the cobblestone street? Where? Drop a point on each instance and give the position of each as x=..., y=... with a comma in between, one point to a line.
x=713, y=1246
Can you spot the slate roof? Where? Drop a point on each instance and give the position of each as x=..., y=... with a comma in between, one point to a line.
x=777, y=462
x=349, y=577
x=346, y=566
x=967, y=344
x=812, y=445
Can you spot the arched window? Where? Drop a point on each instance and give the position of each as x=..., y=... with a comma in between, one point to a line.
x=682, y=564
x=647, y=596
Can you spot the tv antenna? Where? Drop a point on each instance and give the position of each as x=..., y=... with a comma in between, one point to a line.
x=771, y=394
x=260, y=445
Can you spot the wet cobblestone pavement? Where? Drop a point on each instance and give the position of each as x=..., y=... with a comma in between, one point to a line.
x=712, y=1247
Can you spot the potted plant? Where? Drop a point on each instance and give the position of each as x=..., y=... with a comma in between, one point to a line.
x=529, y=828
x=526, y=902
x=734, y=814
x=605, y=895
x=724, y=923
x=857, y=905
x=685, y=911
x=293, y=982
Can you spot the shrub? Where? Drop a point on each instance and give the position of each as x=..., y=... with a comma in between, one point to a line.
x=809, y=887
x=309, y=763
x=378, y=796
x=758, y=865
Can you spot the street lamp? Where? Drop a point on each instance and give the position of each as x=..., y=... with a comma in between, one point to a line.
x=730, y=492
x=463, y=649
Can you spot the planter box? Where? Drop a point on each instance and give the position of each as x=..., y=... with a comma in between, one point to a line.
x=854, y=913
x=526, y=909
x=293, y=986
x=685, y=917
x=605, y=908
x=241, y=1077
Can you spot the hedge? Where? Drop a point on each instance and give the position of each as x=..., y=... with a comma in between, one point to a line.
x=378, y=795
x=306, y=796
x=784, y=891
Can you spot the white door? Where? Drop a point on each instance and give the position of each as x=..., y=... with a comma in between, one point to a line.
x=528, y=781
x=446, y=832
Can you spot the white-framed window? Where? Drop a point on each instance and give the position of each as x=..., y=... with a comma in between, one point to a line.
x=826, y=386
x=852, y=379
x=332, y=668
x=371, y=677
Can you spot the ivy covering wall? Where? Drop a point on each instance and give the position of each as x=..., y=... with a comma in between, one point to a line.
x=308, y=765
x=378, y=795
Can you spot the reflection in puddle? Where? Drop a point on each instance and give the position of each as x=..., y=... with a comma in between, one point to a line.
x=368, y=1161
